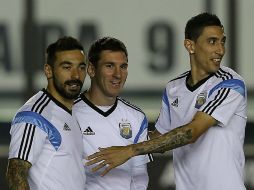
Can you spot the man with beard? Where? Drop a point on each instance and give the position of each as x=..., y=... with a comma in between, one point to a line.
x=46, y=147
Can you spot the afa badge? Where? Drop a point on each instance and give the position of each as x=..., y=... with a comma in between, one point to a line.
x=201, y=99
x=125, y=130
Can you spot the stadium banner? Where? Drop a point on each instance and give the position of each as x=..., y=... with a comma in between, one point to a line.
x=153, y=32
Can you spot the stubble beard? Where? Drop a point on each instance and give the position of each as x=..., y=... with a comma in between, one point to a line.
x=63, y=92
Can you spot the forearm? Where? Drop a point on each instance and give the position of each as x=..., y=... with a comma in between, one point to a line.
x=18, y=184
x=117, y=155
x=176, y=138
x=17, y=174
x=153, y=134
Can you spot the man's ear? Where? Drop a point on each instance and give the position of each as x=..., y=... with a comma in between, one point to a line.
x=48, y=71
x=189, y=46
x=91, y=69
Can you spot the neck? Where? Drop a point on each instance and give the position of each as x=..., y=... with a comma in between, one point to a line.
x=66, y=102
x=197, y=74
x=194, y=78
x=98, y=98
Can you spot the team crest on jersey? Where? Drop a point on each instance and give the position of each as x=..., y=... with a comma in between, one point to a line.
x=201, y=99
x=125, y=130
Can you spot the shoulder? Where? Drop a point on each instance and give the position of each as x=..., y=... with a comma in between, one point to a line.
x=178, y=80
x=126, y=104
x=176, y=83
x=34, y=102
x=80, y=103
x=226, y=78
x=226, y=73
x=180, y=77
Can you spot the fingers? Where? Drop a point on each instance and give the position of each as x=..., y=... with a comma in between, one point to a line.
x=94, y=158
x=94, y=161
x=106, y=171
x=101, y=152
x=102, y=165
x=94, y=155
x=105, y=159
x=99, y=166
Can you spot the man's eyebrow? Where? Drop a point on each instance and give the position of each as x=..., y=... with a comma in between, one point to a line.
x=82, y=63
x=70, y=63
x=65, y=62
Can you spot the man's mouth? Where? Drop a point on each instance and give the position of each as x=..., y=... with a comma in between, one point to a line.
x=74, y=84
x=116, y=83
x=216, y=60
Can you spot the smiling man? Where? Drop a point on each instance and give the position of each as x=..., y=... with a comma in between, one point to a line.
x=108, y=120
x=46, y=148
x=202, y=118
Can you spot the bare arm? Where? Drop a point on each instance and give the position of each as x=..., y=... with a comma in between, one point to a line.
x=177, y=137
x=117, y=155
x=154, y=134
x=17, y=172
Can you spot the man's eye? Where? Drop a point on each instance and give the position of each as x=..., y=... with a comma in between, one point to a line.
x=212, y=41
x=125, y=66
x=109, y=65
x=66, y=67
x=223, y=42
x=83, y=67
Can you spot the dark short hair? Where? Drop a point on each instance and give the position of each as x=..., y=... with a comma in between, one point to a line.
x=105, y=43
x=62, y=44
x=196, y=24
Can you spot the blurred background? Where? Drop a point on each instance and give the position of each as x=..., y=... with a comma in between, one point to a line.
x=153, y=32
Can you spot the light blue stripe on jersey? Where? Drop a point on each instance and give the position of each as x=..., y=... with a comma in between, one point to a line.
x=234, y=84
x=39, y=121
x=165, y=98
x=166, y=101
x=144, y=126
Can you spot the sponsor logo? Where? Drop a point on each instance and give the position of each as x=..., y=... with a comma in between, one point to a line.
x=66, y=127
x=88, y=131
x=175, y=102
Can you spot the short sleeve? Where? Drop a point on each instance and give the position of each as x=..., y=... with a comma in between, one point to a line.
x=26, y=142
x=223, y=104
x=164, y=120
x=140, y=137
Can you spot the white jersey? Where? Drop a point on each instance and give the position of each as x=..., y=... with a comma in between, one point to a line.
x=117, y=125
x=216, y=160
x=44, y=133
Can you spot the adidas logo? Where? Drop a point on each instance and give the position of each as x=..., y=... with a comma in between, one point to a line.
x=175, y=102
x=66, y=127
x=88, y=131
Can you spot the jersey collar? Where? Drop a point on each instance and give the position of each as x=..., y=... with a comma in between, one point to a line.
x=94, y=107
